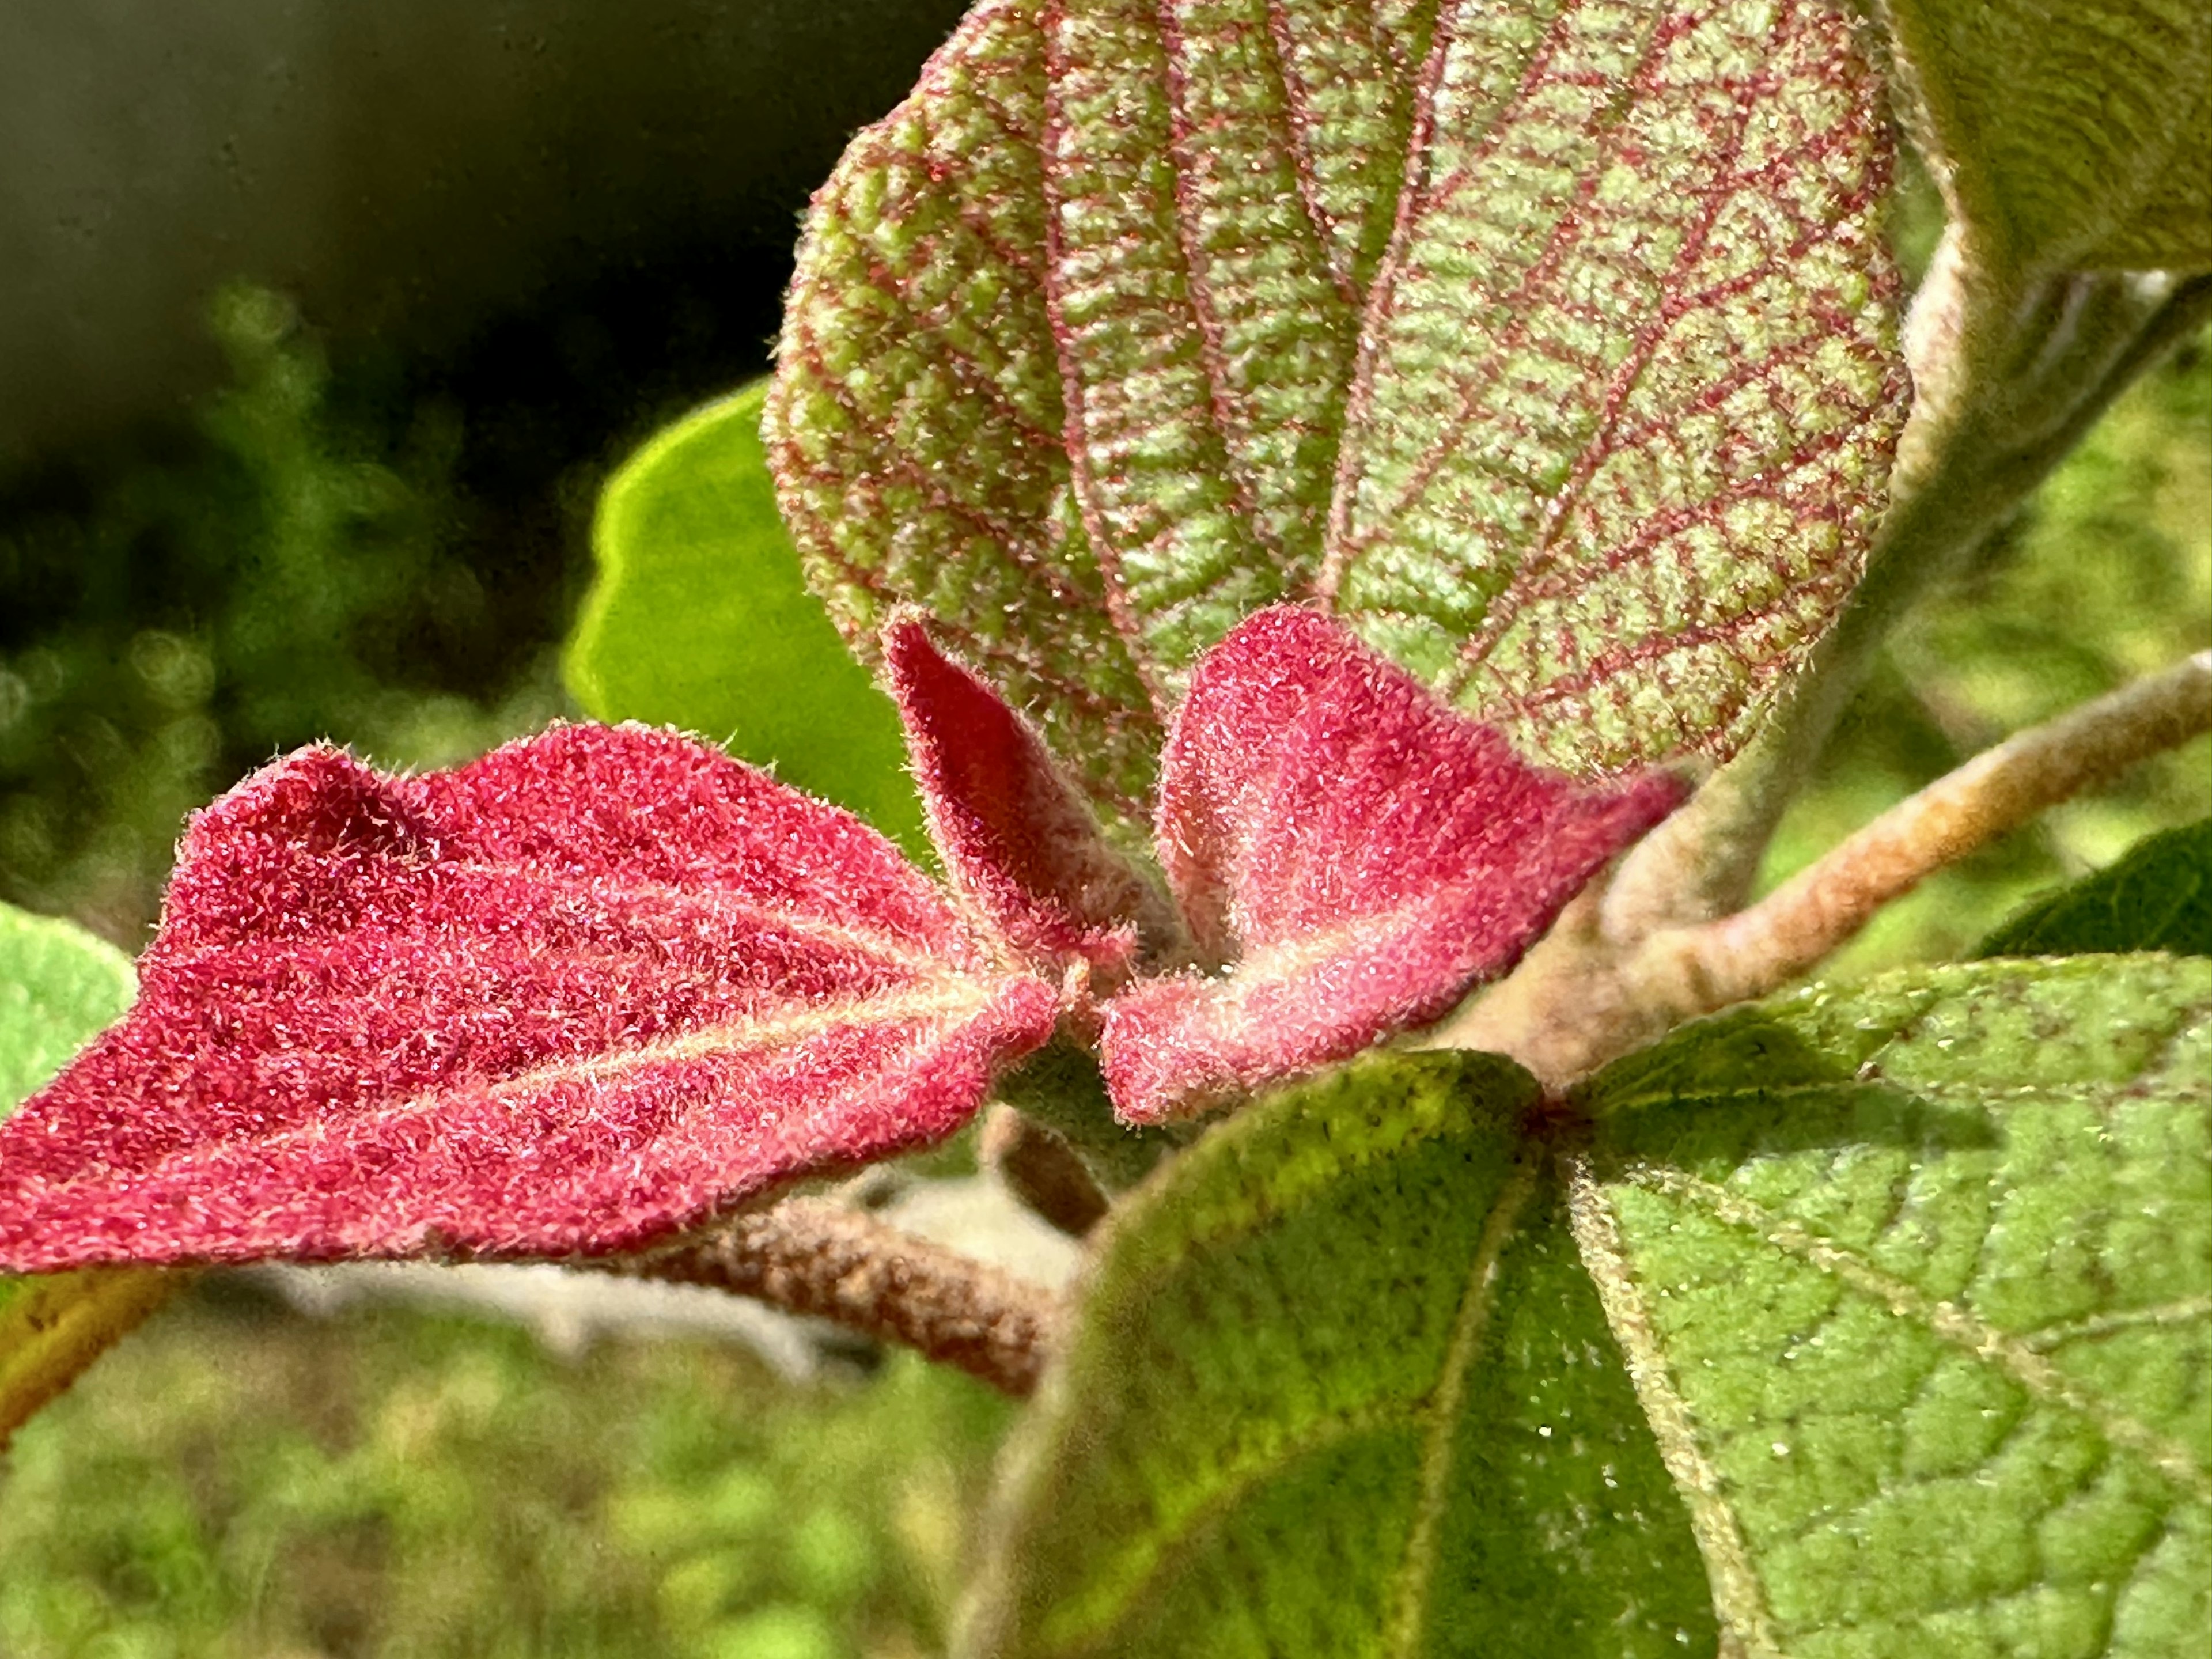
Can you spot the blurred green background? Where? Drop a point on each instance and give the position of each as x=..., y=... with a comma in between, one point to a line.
x=363, y=535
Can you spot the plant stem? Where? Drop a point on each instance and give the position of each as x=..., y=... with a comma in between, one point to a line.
x=1760, y=949
x=809, y=1256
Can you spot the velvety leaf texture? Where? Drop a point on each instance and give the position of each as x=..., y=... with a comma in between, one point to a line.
x=2159, y=897
x=700, y=618
x=1915, y=1281
x=1339, y=1386
x=2068, y=136
x=58, y=986
x=1550, y=344
x=1360, y=853
x=592, y=987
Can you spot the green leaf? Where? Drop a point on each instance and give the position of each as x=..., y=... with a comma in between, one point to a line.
x=1125, y=324
x=58, y=986
x=2069, y=136
x=701, y=619
x=1339, y=1386
x=1915, y=1281
x=2159, y=897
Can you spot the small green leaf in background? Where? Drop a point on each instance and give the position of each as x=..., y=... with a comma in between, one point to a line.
x=701, y=619
x=1914, y=1280
x=1340, y=1387
x=59, y=986
x=2159, y=897
x=2075, y=135
x=1118, y=329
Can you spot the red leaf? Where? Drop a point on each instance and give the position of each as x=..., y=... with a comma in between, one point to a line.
x=1020, y=844
x=595, y=986
x=1362, y=853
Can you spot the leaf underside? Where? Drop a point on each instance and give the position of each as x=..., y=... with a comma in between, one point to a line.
x=58, y=986
x=1896, y=1300
x=2075, y=135
x=700, y=618
x=595, y=986
x=2159, y=897
x=1550, y=345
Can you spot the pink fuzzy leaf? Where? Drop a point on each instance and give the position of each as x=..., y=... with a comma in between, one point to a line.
x=1362, y=853
x=1022, y=846
x=595, y=986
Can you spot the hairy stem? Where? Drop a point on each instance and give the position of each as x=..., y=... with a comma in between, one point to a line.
x=1808, y=917
x=809, y=1256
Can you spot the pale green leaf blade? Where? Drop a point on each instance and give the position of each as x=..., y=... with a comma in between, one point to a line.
x=1339, y=1386
x=700, y=618
x=2073, y=137
x=1915, y=1282
x=59, y=987
x=916, y=423
x=2159, y=897
x=1116, y=330
x=1629, y=384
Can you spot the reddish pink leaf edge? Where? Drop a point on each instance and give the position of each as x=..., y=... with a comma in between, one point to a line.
x=607, y=982
x=597, y=986
x=1361, y=853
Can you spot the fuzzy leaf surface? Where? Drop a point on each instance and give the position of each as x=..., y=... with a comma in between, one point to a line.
x=1915, y=1282
x=700, y=618
x=598, y=984
x=1361, y=853
x=1339, y=1386
x=1551, y=345
x=2069, y=136
x=2158, y=897
x=1019, y=841
x=58, y=986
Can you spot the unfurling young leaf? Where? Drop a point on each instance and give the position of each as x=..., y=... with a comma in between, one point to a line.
x=2074, y=136
x=1359, y=853
x=1548, y=344
x=58, y=986
x=607, y=982
x=588, y=988
x=700, y=618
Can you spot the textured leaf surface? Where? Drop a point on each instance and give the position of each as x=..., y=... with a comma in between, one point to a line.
x=2159, y=897
x=590, y=988
x=1915, y=1281
x=58, y=986
x=2069, y=136
x=1339, y=1386
x=1018, y=841
x=700, y=618
x=1360, y=853
x=1119, y=329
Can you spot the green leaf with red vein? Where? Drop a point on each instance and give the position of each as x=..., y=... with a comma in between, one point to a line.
x=1362, y=854
x=590, y=988
x=1550, y=344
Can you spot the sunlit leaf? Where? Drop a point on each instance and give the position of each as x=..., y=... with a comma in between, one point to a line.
x=594, y=986
x=1916, y=1284
x=2159, y=897
x=1119, y=329
x=2075, y=135
x=1339, y=1386
x=1359, y=855
x=58, y=986
x=700, y=618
